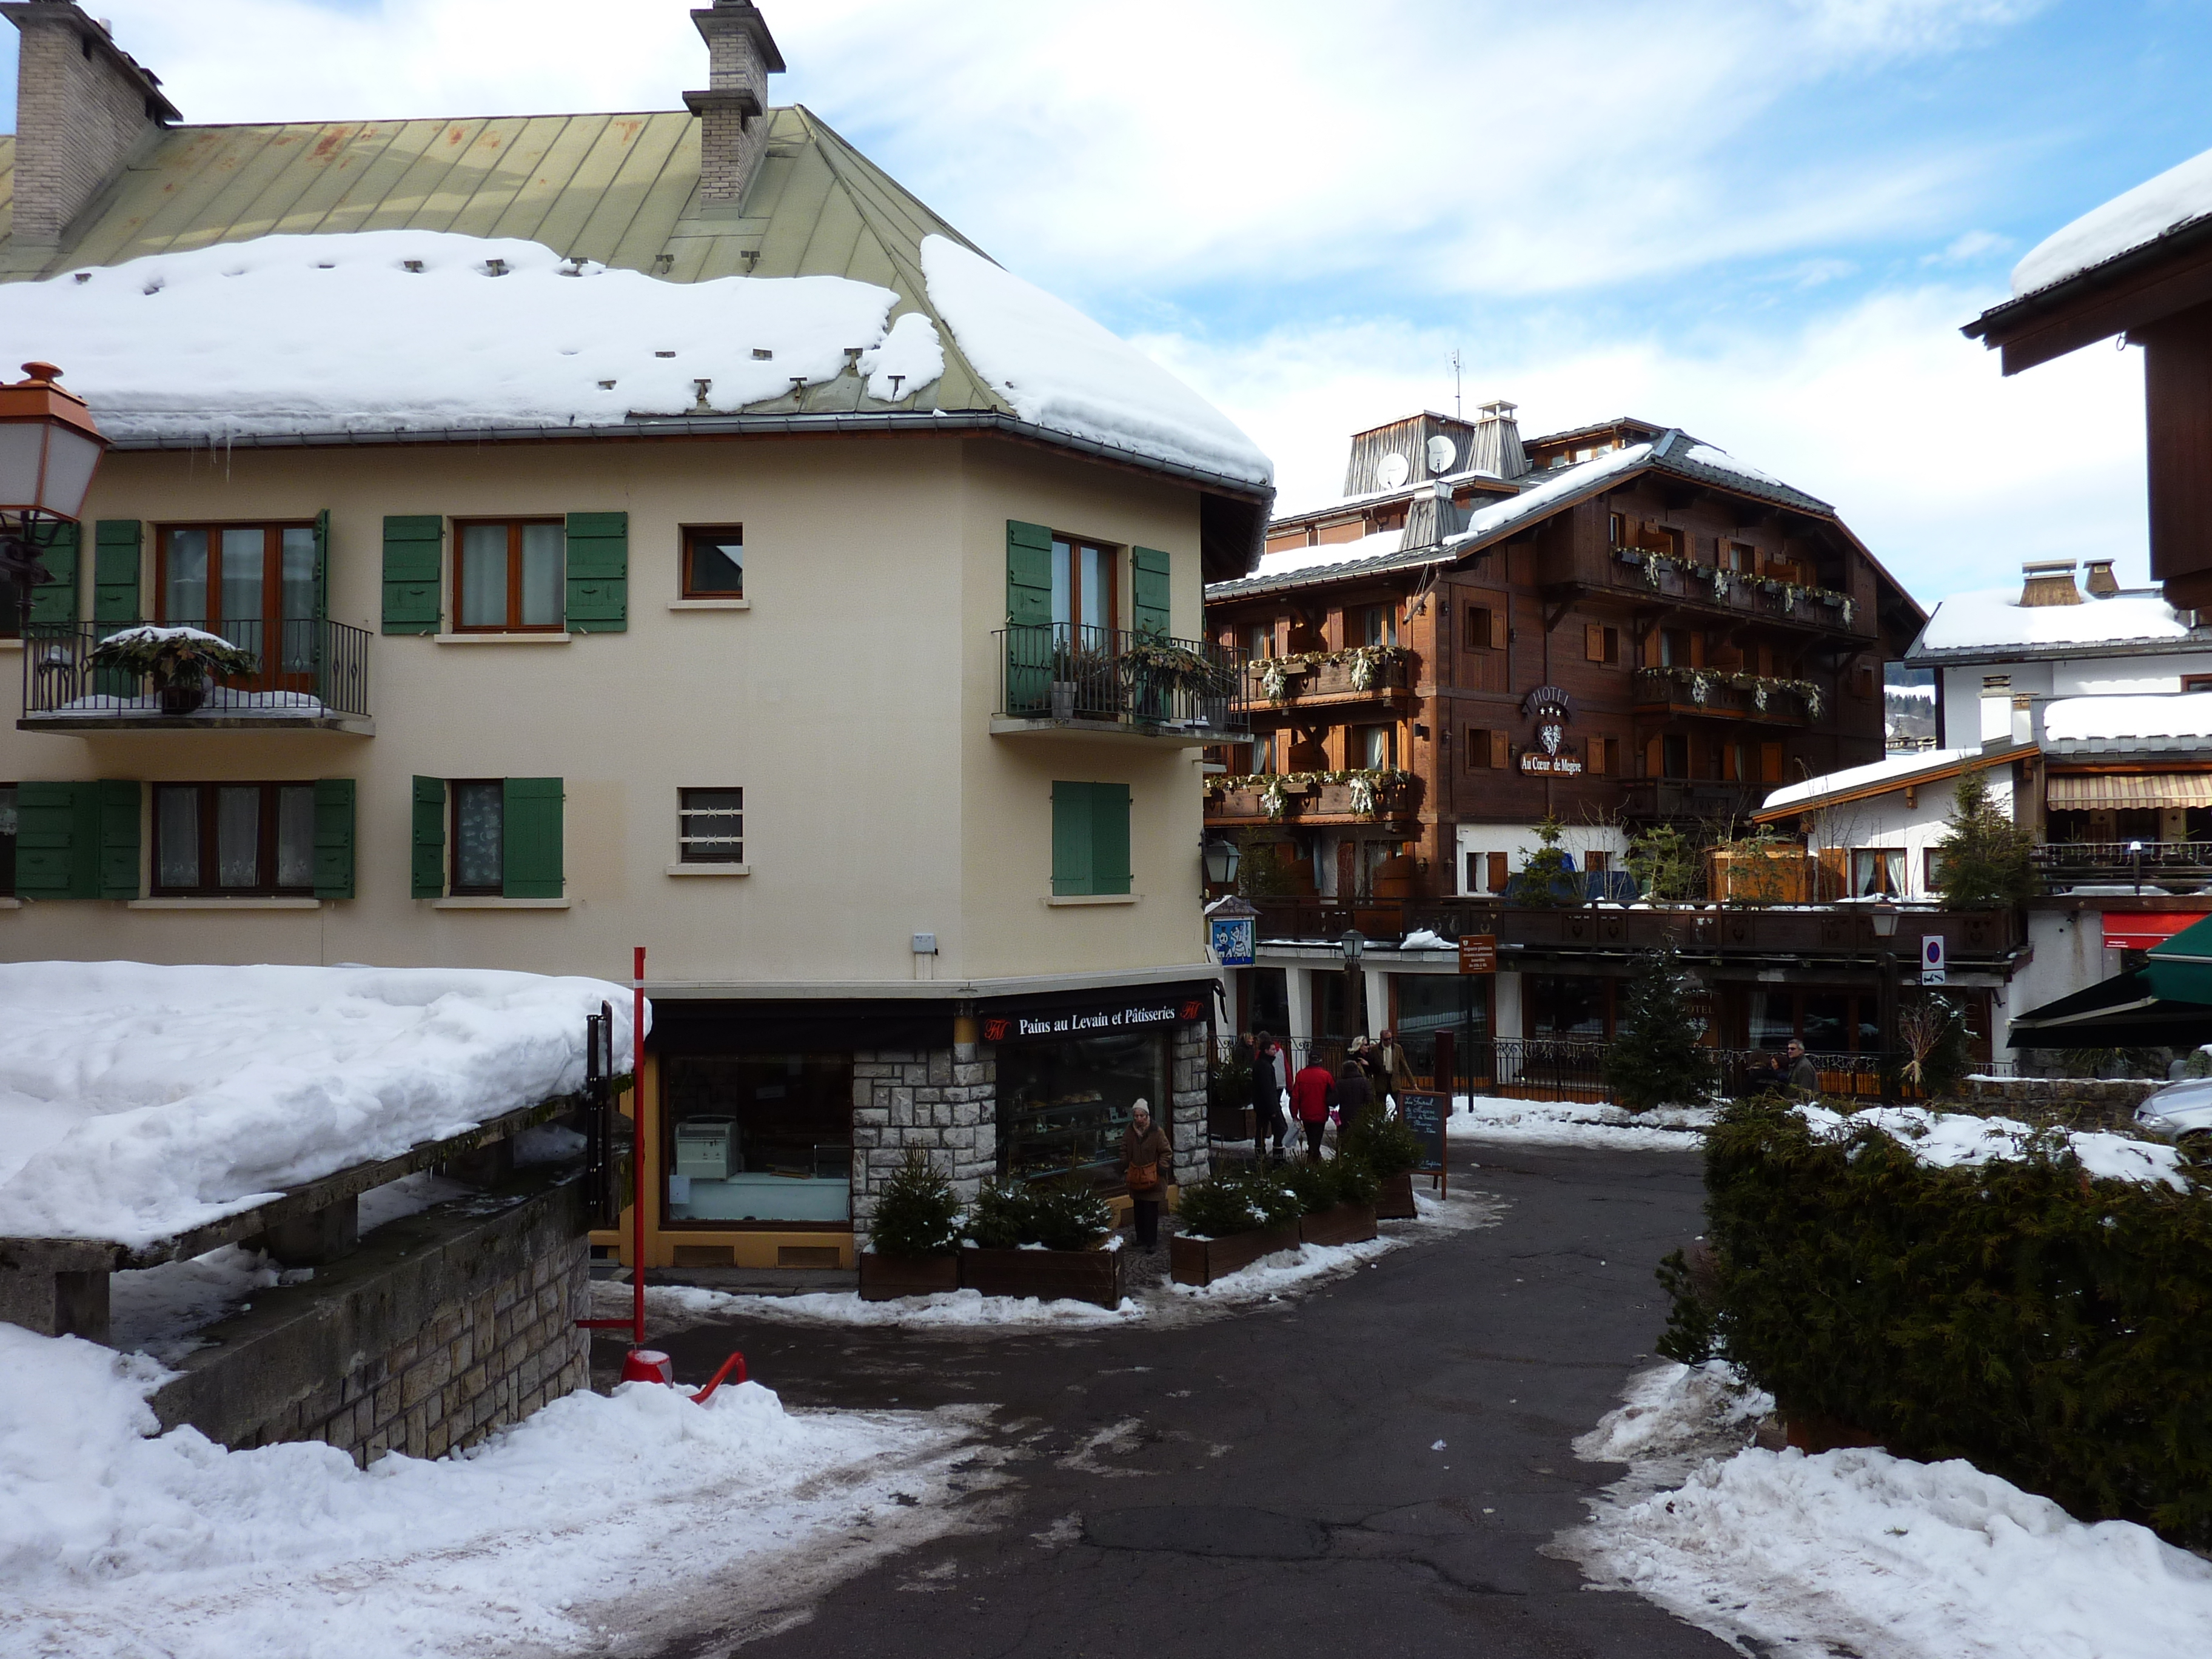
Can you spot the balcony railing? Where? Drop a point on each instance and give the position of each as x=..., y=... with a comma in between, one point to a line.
x=1059, y=673
x=1366, y=794
x=1730, y=695
x=1363, y=671
x=316, y=674
x=1644, y=799
x=2066, y=864
x=1675, y=577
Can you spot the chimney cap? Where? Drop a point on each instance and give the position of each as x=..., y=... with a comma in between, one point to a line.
x=2049, y=582
x=100, y=38
x=1497, y=409
x=742, y=14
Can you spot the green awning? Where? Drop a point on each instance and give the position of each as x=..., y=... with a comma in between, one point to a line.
x=2181, y=968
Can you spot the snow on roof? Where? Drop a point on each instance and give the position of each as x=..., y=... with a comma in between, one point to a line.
x=1889, y=772
x=2088, y=719
x=1721, y=461
x=1063, y=371
x=1297, y=559
x=1532, y=503
x=426, y=330
x=137, y=1102
x=1994, y=616
x=2176, y=198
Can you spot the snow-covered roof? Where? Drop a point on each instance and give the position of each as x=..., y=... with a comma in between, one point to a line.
x=1995, y=617
x=137, y=1103
x=2177, y=199
x=2123, y=719
x=1891, y=772
x=375, y=332
x=1382, y=544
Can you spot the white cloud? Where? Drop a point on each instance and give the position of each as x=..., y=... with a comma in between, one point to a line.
x=1951, y=473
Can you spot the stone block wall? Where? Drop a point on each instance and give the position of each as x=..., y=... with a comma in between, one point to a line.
x=1192, y=1066
x=441, y=1327
x=945, y=1100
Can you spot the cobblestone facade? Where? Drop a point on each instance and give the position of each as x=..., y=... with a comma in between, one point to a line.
x=1192, y=1073
x=945, y=1100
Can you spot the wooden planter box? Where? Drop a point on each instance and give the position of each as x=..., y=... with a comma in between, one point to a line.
x=1395, y=1201
x=1202, y=1261
x=1347, y=1223
x=887, y=1278
x=1049, y=1275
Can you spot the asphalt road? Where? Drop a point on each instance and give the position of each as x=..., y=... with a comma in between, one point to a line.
x=1267, y=1483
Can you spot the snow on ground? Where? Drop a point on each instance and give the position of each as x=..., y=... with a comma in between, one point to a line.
x=1947, y=1139
x=1995, y=615
x=2148, y=211
x=136, y=1102
x=1061, y=370
x=579, y=1530
x=1578, y=1123
x=1860, y=1552
x=2121, y=718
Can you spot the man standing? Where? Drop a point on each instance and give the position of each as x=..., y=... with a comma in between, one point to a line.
x=1391, y=1069
x=1313, y=1091
x=1266, y=1096
x=1804, y=1075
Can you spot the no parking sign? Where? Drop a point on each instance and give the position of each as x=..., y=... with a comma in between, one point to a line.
x=1931, y=959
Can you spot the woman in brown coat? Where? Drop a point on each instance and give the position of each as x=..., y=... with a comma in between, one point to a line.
x=1145, y=1157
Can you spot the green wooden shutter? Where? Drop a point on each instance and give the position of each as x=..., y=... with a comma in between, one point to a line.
x=323, y=565
x=598, y=572
x=411, y=544
x=1109, y=837
x=428, y=864
x=115, y=573
x=1071, y=839
x=55, y=603
x=1148, y=587
x=46, y=840
x=1029, y=574
x=334, y=836
x=530, y=849
x=117, y=871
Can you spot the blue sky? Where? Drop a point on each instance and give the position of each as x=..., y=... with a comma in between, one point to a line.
x=1762, y=220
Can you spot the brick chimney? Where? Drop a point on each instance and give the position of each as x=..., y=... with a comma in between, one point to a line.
x=741, y=55
x=2049, y=582
x=81, y=105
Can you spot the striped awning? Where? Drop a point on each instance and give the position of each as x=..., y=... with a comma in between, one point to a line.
x=2082, y=791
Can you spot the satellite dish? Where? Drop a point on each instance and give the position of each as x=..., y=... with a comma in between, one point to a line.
x=1442, y=453
x=1394, y=471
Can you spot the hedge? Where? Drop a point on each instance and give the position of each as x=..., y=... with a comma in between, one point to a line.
x=2052, y=1328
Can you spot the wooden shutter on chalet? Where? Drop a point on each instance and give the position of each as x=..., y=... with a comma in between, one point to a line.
x=411, y=546
x=1500, y=877
x=1595, y=751
x=1501, y=750
x=334, y=819
x=531, y=845
x=1498, y=630
x=1148, y=589
x=54, y=603
x=1770, y=763
x=1594, y=641
x=115, y=548
x=427, y=864
x=598, y=572
x=1029, y=574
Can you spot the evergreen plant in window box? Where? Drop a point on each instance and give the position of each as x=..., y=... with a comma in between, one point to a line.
x=1229, y=1222
x=179, y=662
x=914, y=1235
x=1045, y=1240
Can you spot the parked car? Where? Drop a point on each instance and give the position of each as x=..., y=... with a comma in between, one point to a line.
x=2180, y=1111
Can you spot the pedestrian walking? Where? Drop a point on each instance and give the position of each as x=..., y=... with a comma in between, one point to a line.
x=1387, y=1060
x=1268, y=1081
x=1313, y=1091
x=1355, y=1095
x=1146, y=1158
x=1804, y=1075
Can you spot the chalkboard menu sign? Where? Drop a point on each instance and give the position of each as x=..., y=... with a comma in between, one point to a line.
x=1424, y=1117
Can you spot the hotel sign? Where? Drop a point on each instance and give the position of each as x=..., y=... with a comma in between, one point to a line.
x=1551, y=709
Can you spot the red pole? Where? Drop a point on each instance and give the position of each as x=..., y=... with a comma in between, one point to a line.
x=637, y=1145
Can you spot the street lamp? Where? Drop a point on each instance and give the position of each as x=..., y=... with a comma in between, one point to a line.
x=1222, y=857
x=1883, y=917
x=2134, y=852
x=1355, y=992
x=49, y=450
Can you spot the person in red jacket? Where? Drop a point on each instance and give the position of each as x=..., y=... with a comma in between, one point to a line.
x=1313, y=1092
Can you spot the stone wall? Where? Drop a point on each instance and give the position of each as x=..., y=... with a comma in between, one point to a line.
x=945, y=1101
x=440, y=1328
x=2076, y=1102
x=1187, y=1054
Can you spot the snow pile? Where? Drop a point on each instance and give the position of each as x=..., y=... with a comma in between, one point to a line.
x=1059, y=369
x=1995, y=615
x=2089, y=719
x=114, y=1542
x=1578, y=1123
x=137, y=1102
x=1887, y=773
x=2176, y=197
x=1946, y=1140
x=1426, y=938
x=944, y=1310
x=342, y=332
x=1860, y=1552
x=910, y=358
x=155, y=634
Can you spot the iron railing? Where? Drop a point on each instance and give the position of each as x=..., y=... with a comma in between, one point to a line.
x=306, y=668
x=2071, y=863
x=1059, y=671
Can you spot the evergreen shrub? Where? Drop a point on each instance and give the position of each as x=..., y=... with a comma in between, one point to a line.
x=1657, y=1057
x=1232, y=1204
x=2052, y=1328
x=1317, y=1186
x=1385, y=1144
x=917, y=1214
x=1355, y=1180
x=1001, y=1217
x=1066, y=1214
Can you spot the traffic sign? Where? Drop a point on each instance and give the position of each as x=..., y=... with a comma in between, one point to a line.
x=1931, y=959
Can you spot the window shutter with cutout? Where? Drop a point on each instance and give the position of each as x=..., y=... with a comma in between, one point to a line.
x=427, y=865
x=598, y=572
x=334, y=815
x=54, y=603
x=411, y=548
x=530, y=849
x=1148, y=587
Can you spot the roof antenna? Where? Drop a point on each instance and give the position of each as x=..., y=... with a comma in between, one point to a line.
x=1459, y=412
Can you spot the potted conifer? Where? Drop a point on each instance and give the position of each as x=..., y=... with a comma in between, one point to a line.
x=1047, y=1240
x=1230, y=1222
x=914, y=1235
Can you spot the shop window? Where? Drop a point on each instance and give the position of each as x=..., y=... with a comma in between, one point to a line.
x=1425, y=1004
x=1089, y=838
x=711, y=826
x=714, y=561
x=511, y=576
x=7, y=840
x=1824, y=1024
x=1568, y=1005
x=764, y=1139
x=1877, y=871
x=1064, y=1103
x=233, y=839
x=2197, y=682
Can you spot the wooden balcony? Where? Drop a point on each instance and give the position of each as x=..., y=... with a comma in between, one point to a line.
x=1663, y=800
x=1314, y=798
x=1720, y=694
x=1658, y=575
x=1365, y=674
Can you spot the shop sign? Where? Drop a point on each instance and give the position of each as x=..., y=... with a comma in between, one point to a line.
x=1151, y=1014
x=1232, y=941
x=1425, y=1115
x=1551, y=709
x=1478, y=953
